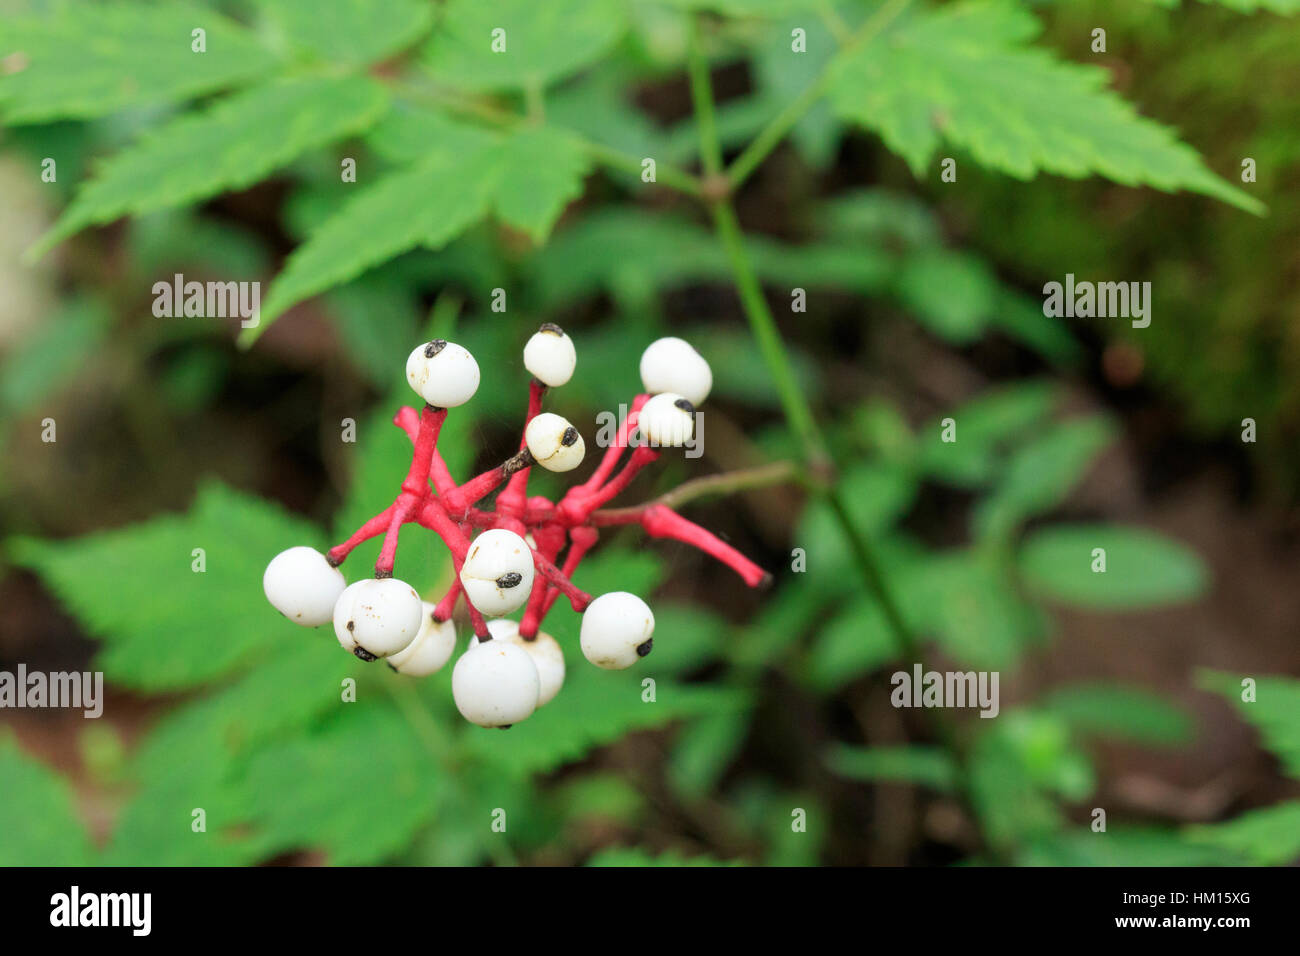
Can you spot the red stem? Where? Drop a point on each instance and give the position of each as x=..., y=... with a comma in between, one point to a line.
x=662, y=522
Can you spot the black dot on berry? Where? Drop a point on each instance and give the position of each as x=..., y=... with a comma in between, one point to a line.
x=352, y=625
x=434, y=347
x=552, y=328
x=505, y=726
x=510, y=580
x=685, y=405
x=364, y=654
x=569, y=437
x=645, y=647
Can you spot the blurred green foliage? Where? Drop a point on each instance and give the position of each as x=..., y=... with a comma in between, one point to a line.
x=478, y=171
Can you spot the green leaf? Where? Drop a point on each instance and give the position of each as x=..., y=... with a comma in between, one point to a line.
x=628, y=856
x=90, y=59
x=854, y=642
x=704, y=749
x=927, y=766
x=527, y=177
x=966, y=601
x=196, y=756
x=984, y=428
x=1143, y=568
x=951, y=293
x=1267, y=837
x=595, y=708
x=43, y=827
x=428, y=204
x=163, y=625
x=602, y=796
x=1130, y=846
x=543, y=41
x=964, y=74
x=1274, y=711
x=359, y=789
x=541, y=173
x=1124, y=713
x=1039, y=475
x=349, y=31
x=234, y=144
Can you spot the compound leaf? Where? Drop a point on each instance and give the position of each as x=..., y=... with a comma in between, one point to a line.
x=91, y=59
x=165, y=626
x=234, y=144
x=964, y=74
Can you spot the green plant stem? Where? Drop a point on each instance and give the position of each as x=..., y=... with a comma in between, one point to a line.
x=697, y=70
x=818, y=466
x=780, y=125
x=669, y=176
x=728, y=482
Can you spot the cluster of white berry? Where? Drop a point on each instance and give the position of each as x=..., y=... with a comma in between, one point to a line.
x=504, y=675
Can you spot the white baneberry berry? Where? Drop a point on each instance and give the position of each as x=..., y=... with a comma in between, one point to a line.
x=554, y=443
x=302, y=586
x=545, y=651
x=672, y=365
x=667, y=420
x=549, y=355
x=498, y=572
x=377, y=617
x=443, y=373
x=430, y=650
x=495, y=684
x=616, y=630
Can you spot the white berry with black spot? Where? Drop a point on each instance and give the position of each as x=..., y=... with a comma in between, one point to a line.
x=554, y=443
x=667, y=420
x=302, y=586
x=550, y=356
x=545, y=651
x=430, y=650
x=495, y=684
x=498, y=572
x=616, y=630
x=672, y=365
x=377, y=617
x=443, y=373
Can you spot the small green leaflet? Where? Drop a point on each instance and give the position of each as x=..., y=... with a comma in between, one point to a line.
x=42, y=828
x=163, y=625
x=1274, y=711
x=91, y=59
x=964, y=74
x=1120, y=713
x=359, y=788
x=1267, y=837
x=235, y=144
x=349, y=31
x=926, y=766
x=1143, y=569
x=542, y=41
x=527, y=177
